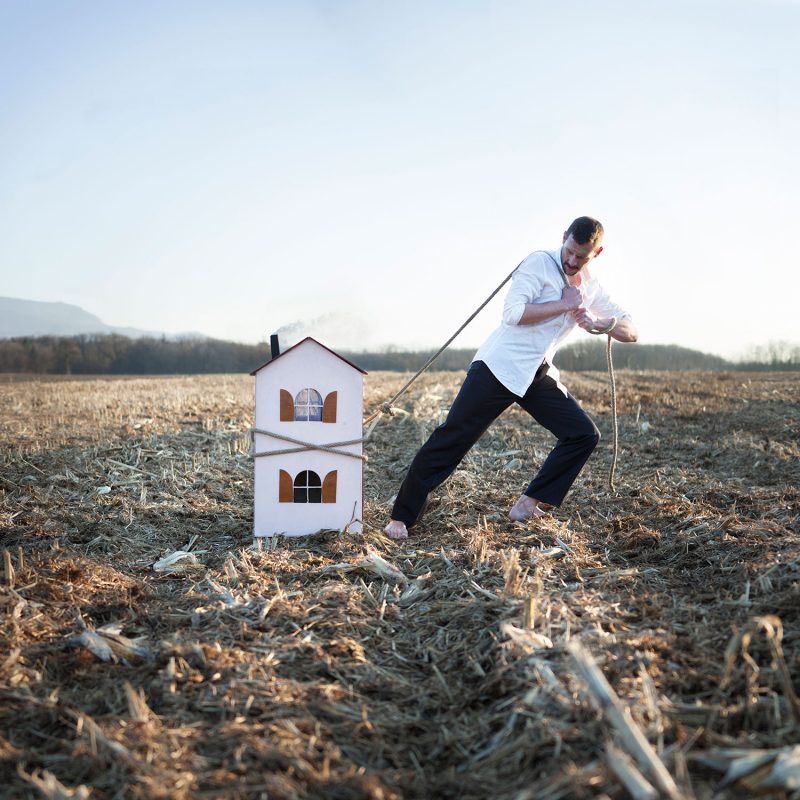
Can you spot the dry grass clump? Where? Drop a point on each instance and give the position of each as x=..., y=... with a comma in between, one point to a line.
x=644, y=643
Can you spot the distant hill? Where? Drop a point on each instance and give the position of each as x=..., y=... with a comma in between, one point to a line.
x=33, y=318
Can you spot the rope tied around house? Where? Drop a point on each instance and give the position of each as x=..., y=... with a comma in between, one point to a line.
x=387, y=408
x=331, y=447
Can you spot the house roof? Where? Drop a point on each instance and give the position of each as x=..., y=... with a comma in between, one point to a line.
x=308, y=339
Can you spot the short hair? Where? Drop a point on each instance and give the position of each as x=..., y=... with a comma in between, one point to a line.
x=586, y=230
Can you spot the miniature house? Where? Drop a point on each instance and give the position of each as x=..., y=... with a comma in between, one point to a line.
x=307, y=396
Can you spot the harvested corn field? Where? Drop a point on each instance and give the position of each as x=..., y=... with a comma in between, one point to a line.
x=641, y=643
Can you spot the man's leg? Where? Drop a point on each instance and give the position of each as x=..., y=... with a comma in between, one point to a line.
x=481, y=399
x=577, y=437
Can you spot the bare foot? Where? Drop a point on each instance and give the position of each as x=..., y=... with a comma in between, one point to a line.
x=525, y=508
x=396, y=529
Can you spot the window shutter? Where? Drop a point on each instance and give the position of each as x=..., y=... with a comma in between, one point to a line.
x=287, y=406
x=329, y=408
x=329, y=487
x=285, y=488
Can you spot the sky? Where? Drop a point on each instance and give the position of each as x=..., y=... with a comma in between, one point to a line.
x=367, y=172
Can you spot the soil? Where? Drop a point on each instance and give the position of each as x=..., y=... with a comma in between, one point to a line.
x=296, y=668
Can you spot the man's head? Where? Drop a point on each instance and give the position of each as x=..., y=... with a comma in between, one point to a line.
x=583, y=241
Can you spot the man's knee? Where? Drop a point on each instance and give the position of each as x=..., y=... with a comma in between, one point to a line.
x=589, y=437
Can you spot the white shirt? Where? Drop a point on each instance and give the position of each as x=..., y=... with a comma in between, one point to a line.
x=515, y=352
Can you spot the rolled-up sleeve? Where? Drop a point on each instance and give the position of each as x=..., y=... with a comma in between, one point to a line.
x=526, y=286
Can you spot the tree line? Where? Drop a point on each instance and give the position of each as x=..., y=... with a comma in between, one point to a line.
x=119, y=355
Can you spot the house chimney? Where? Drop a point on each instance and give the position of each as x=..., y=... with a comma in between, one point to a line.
x=274, y=345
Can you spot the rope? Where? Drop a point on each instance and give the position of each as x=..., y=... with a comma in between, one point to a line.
x=331, y=447
x=614, y=423
x=386, y=408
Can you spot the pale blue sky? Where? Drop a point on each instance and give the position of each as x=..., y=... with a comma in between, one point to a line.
x=231, y=168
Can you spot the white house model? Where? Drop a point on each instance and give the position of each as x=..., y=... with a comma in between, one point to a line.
x=306, y=397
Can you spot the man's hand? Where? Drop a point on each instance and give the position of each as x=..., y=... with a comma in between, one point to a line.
x=571, y=298
x=585, y=320
x=535, y=313
x=624, y=330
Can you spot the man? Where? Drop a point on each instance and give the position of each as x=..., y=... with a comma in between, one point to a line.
x=515, y=365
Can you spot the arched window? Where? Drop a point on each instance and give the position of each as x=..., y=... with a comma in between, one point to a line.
x=308, y=405
x=307, y=488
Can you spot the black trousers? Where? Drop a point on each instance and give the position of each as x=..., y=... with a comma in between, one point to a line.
x=480, y=401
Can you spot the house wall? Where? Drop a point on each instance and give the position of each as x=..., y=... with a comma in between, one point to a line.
x=298, y=519
x=308, y=366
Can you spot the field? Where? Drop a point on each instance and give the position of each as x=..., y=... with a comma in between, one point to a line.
x=291, y=671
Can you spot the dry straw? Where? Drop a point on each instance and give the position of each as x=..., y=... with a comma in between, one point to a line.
x=349, y=666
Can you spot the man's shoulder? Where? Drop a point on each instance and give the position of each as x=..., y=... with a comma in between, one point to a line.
x=539, y=259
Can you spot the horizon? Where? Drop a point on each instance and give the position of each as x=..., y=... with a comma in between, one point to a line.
x=372, y=172
x=756, y=354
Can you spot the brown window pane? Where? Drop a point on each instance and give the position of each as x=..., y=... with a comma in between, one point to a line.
x=285, y=493
x=329, y=487
x=329, y=409
x=287, y=406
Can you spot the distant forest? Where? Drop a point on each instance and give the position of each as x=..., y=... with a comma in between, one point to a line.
x=119, y=355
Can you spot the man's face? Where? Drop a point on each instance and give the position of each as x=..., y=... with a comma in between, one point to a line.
x=574, y=256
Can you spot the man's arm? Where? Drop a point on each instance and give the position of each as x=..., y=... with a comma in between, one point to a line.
x=541, y=312
x=625, y=331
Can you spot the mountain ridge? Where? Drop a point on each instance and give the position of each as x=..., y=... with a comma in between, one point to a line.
x=20, y=317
